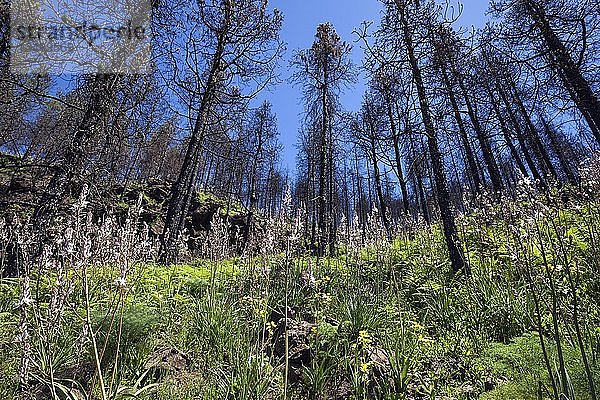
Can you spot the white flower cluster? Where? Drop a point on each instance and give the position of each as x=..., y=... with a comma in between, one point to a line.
x=590, y=175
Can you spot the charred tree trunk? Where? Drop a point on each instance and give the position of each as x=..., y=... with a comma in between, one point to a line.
x=536, y=144
x=183, y=188
x=570, y=73
x=471, y=164
x=323, y=219
x=72, y=164
x=331, y=204
x=558, y=150
x=443, y=195
x=506, y=134
x=520, y=136
x=252, y=195
x=397, y=155
x=377, y=175
x=417, y=179
x=486, y=149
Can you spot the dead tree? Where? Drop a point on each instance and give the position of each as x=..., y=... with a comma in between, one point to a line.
x=231, y=43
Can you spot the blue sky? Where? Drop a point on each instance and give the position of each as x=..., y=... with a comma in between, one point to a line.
x=301, y=18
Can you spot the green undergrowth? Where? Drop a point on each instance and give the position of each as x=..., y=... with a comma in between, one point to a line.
x=381, y=320
x=521, y=367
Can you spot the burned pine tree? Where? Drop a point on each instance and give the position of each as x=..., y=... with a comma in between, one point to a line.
x=407, y=22
x=261, y=153
x=234, y=44
x=555, y=25
x=448, y=50
x=367, y=134
x=322, y=70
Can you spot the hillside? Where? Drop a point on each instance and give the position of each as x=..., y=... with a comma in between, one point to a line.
x=300, y=200
x=379, y=319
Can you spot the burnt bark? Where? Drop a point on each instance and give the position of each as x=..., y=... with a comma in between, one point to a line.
x=443, y=196
x=569, y=71
x=471, y=164
x=397, y=154
x=377, y=173
x=73, y=161
x=536, y=145
x=558, y=150
x=506, y=133
x=520, y=135
x=486, y=149
x=183, y=188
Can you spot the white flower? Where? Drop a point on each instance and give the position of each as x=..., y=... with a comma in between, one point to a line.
x=25, y=301
x=121, y=282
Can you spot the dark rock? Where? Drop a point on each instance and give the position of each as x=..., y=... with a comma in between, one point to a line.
x=166, y=361
x=340, y=391
x=81, y=373
x=20, y=184
x=74, y=378
x=280, y=313
x=380, y=361
x=298, y=339
x=20, y=190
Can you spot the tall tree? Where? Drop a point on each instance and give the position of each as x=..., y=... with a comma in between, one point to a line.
x=537, y=18
x=232, y=44
x=449, y=50
x=322, y=70
x=411, y=16
x=385, y=84
x=94, y=120
x=441, y=63
x=368, y=132
x=262, y=149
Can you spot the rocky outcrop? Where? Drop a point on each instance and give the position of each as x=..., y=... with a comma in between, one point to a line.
x=21, y=186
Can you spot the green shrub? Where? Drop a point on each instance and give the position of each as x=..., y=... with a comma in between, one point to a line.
x=130, y=339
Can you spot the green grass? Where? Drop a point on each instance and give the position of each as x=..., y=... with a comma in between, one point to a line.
x=521, y=364
x=463, y=338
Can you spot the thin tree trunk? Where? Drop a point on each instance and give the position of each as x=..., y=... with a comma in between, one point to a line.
x=520, y=136
x=536, y=144
x=471, y=164
x=397, y=155
x=486, y=149
x=506, y=133
x=418, y=183
x=558, y=150
x=323, y=156
x=73, y=161
x=252, y=196
x=331, y=209
x=377, y=176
